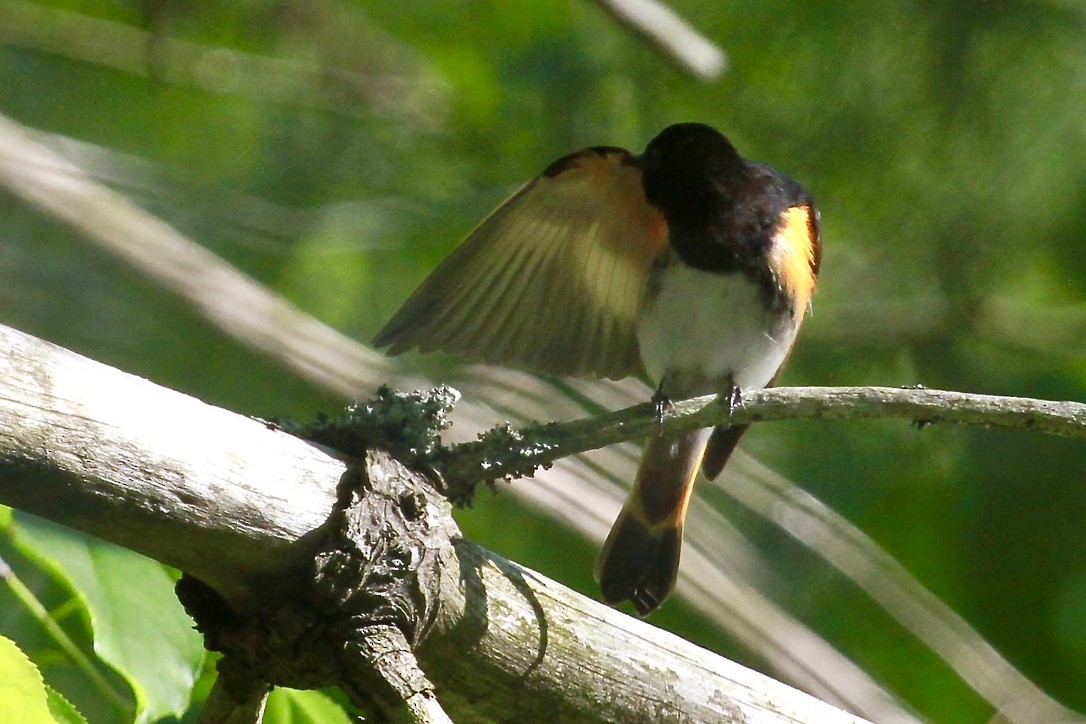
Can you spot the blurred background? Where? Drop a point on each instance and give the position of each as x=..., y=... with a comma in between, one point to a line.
x=334, y=152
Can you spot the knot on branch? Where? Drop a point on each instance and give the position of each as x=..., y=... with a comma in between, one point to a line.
x=381, y=562
x=371, y=593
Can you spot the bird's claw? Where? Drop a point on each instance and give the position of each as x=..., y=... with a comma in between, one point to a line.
x=733, y=398
x=663, y=407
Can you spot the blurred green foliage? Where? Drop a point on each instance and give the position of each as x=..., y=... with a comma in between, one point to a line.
x=337, y=150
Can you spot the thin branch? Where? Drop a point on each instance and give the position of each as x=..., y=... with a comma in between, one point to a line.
x=672, y=35
x=236, y=697
x=543, y=445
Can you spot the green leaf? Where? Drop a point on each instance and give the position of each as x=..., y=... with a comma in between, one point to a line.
x=62, y=710
x=22, y=691
x=291, y=706
x=139, y=626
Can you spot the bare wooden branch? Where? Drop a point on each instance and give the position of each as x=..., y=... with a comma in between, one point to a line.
x=236, y=504
x=396, y=83
x=414, y=704
x=236, y=697
x=673, y=36
x=544, y=444
x=231, y=301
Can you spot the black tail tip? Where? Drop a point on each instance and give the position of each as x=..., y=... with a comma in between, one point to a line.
x=638, y=564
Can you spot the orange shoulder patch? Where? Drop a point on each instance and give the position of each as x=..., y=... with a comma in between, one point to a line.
x=794, y=254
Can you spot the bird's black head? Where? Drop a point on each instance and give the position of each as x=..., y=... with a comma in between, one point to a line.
x=691, y=164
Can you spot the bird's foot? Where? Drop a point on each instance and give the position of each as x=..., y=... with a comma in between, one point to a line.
x=663, y=407
x=733, y=398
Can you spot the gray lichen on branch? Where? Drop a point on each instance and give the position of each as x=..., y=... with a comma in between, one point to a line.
x=407, y=424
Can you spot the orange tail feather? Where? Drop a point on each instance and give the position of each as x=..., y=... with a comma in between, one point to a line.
x=640, y=559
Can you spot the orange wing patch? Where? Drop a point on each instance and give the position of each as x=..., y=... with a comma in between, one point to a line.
x=628, y=233
x=613, y=179
x=794, y=255
x=551, y=281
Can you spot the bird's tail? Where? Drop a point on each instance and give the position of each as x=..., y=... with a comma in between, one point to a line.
x=640, y=558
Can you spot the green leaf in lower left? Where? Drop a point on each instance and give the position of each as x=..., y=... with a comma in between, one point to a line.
x=62, y=710
x=139, y=627
x=290, y=706
x=22, y=691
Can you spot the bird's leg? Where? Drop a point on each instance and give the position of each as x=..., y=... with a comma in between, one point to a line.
x=733, y=397
x=662, y=404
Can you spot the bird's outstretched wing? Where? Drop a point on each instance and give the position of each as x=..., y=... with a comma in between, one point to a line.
x=551, y=281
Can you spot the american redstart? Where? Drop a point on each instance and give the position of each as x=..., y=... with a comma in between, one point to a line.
x=686, y=263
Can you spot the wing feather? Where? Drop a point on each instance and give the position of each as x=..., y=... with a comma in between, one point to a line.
x=551, y=282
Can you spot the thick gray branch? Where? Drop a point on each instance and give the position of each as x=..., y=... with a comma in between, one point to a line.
x=237, y=505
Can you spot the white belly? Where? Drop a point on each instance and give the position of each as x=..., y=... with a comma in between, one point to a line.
x=704, y=329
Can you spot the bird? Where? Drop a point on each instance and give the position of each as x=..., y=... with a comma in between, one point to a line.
x=687, y=265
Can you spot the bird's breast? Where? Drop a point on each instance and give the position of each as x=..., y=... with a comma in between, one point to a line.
x=703, y=328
